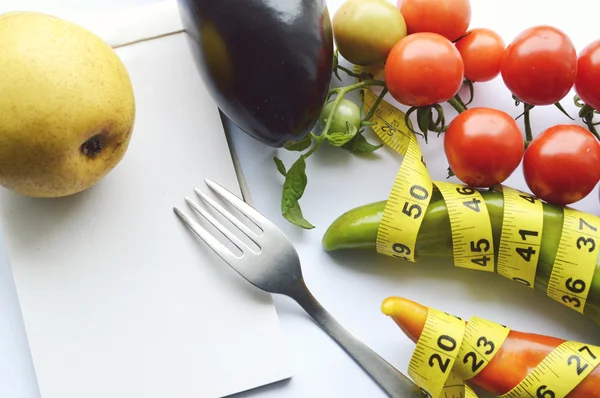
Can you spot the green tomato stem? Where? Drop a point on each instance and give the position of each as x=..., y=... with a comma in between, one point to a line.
x=578, y=102
x=559, y=106
x=341, y=91
x=587, y=114
x=438, y=125
x=585, y=110
x=589, y=121
x=471, y=91
x=460, y=101
x=376, y=104
x=336, y=103
x=527, y=122
x=348, y=71
x=319, y=140
x=457, y=104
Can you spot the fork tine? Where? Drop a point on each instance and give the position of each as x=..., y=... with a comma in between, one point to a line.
x=234, y=239
x=210, y=240
x=260, y=220
x=234, y=220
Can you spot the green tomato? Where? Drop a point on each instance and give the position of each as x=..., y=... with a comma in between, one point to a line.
x=366, y=30
x=347, y=111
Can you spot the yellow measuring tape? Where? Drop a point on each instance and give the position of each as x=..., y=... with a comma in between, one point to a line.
x=472, y=237
x=575, y=259
x=473, y=248
x=450, y=352
x=410, y=196
x=521, y=236
x=472, y=240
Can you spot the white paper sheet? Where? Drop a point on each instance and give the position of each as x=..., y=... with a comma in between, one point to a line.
x=118, y=298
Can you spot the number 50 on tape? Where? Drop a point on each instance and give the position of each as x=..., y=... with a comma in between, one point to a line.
x=410, y=196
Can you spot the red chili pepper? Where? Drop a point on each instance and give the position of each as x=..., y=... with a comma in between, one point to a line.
x=516, y=358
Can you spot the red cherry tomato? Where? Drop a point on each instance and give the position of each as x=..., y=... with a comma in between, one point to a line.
x=539, y=66
x=562, y=164
x=449, y=18
x=484, y=146
x=424, y=69
x=481, y=50
x=588, y=75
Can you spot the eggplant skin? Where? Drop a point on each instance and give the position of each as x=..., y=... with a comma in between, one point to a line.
x=266, y=63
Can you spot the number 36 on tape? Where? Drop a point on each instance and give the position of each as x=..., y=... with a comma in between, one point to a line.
x=519, y=248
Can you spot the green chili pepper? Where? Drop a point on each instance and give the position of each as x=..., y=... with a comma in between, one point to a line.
x=357, y=229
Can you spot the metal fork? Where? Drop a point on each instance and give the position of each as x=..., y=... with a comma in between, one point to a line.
x=275, y=268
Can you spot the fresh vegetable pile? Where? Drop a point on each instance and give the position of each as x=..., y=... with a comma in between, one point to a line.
x=422, y=53
x=533, y=238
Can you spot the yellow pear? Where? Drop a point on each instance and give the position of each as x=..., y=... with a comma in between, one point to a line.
x=67, y=106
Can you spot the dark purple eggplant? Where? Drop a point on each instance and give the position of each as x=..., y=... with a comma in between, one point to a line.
x=266, y=63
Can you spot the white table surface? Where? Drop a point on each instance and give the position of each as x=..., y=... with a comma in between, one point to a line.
x=352, y=286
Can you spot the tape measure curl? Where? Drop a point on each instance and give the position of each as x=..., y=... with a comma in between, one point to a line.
x=450, y=352
x=472, y=237
x=410, y=196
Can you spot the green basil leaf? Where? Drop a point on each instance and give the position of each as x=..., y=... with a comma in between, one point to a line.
x=293, y=189
x=335, y=64
x=294, y=215
x=280, y=166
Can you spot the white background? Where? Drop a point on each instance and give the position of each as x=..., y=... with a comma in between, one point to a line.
x=352, y=285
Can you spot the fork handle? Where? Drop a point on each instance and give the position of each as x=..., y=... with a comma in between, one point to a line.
x=392, y=381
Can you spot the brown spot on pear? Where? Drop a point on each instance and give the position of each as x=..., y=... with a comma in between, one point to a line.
x=67, y=106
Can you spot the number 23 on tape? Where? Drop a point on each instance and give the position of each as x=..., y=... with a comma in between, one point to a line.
x=472, y=239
